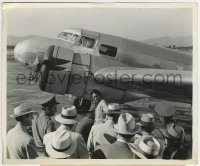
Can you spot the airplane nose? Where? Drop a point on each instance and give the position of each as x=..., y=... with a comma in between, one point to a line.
x=17, y=51
x=30, y=52
x=26, y=52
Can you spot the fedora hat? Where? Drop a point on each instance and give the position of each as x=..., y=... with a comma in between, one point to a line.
x=22, y=110
x=113, y=108
x=68, y=115
x=147, y=120
x=174, y=132
x=48, y=100
x=59, y=144
x=149, y=146
x=126, y=125
x=165, y=109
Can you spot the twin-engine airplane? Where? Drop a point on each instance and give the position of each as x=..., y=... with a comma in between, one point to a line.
x=79, y=60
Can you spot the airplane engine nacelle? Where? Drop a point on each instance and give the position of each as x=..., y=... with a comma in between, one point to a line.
x=55, y=72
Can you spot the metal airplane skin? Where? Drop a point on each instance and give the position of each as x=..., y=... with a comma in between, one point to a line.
x=79, y=60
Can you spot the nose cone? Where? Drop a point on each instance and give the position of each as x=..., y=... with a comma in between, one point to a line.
x=27, y=51
x=30, y=52
x=17, y=51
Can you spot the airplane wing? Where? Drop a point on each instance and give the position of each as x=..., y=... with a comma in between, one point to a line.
x=154, y=82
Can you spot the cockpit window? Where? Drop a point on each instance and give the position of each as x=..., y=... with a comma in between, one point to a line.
x=65, y=35
x=86, y=42
x=73, y=38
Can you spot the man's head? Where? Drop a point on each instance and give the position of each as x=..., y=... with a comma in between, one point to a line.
x=49, y=104
x=147, y=123
x=24, y=114
x=174, y=135
x=113, y=112
x=26, y=120
x=126, y=126
x=68, y=116
x=96, y=95
x=149, y=147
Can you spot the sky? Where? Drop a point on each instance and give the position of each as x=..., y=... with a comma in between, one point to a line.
x=133, y=23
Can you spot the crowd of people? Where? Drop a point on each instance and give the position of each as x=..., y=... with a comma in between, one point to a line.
x=107, y=132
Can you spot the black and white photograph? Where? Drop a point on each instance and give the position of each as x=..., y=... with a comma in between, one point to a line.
x=99, y=81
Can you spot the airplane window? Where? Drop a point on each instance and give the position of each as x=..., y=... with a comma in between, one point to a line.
x=64, y=35
x=86, y=42
x=107, y=50
x=73, y=38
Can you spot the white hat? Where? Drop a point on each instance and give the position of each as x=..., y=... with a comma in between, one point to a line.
x=126, y=124
x=113, y=108
x=68, y=115
x=149, y=145
x=58, y=144
x=147, y=120
x=174, y=132
x=22, y=109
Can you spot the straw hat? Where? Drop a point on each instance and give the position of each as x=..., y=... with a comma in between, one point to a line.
x=174, y=132
x=48, y=100
x=22, y=109
x=59, y=144
x=126, y=124
x=149, y=146
x=68, y=115
x=147, y=120
x=113, y=108
x=165, y=109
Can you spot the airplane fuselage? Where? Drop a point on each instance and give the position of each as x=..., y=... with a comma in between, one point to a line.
x=92, y=51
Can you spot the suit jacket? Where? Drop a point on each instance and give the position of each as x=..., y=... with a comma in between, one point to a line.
x=181, y=153
x=117, y=150
x=40, y=124
x=20, y=144
x=101, y=134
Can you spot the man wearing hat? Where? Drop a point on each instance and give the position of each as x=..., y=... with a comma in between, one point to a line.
x=147, y=124
x=175, y=144
x=166, y=112
x=126, y=128
x=98, y=105
x=68, y=119
x=148, y=147
x=104, y=133
x=20, y=144
x=43, y=123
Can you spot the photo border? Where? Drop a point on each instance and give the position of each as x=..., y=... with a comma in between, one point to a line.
x=194, y=159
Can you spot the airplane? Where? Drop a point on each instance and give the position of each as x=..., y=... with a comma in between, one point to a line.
x=78, y=61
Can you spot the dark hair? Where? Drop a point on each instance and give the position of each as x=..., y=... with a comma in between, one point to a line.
x=114, y=117
x=168, y=119
x=126, y=136
x=21, y=118
x=96, y=92
x=147, y=129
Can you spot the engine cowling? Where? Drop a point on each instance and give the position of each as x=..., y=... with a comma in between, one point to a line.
x=55, y=72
